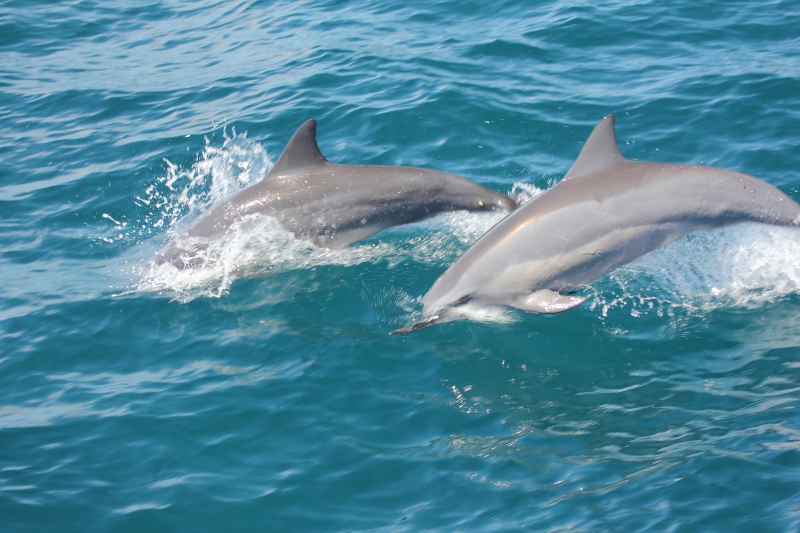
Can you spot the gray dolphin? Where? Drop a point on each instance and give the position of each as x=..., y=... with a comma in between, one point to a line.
x=606, y=212
x=335, y=205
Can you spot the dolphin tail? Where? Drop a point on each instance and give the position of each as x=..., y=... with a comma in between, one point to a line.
x=416, y=326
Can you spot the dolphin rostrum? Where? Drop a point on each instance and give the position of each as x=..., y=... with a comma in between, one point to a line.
x=606, y=212
x=335, y=205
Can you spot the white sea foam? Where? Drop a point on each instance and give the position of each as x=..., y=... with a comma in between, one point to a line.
x=259, y=246
x=171, y=200
x=525, y=192
x=743, y=266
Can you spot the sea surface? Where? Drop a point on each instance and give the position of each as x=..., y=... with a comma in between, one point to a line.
x=261, y=391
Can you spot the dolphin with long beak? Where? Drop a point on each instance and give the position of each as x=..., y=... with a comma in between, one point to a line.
x=606, y=212
x=334, y=205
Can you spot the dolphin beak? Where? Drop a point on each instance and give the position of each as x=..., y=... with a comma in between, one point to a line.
x=416, y=326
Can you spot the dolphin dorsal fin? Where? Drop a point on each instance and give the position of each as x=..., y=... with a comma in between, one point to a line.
x=301, y=150
x=599, y=152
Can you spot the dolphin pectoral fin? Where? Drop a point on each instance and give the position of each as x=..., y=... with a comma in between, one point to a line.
x=547, y=301
x=343, y=238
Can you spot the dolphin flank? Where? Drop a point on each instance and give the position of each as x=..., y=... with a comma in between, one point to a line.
x=606, y=212
x=334, y=205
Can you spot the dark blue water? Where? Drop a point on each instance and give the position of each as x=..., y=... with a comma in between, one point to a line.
x=262, y=392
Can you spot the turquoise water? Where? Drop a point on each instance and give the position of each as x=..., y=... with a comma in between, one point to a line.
x=262, y=392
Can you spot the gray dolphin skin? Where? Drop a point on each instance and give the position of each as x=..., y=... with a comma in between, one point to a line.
x=335, y=205
x=606, y=212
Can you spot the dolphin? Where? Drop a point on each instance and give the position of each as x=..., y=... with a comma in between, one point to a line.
x=606, y=212
x=334, y=205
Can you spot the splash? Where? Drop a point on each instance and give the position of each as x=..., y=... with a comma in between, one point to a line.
x=174, y=198
x=745, y=266
x=523, y=193
x=258, y=246
x=219, y=172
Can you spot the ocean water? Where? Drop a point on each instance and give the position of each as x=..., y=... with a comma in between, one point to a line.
x=262, y=392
